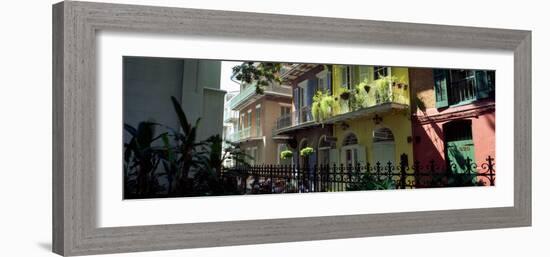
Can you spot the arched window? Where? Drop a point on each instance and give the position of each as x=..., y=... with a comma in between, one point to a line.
x=303, y=144
x=382, y=135
x=350, y=139
x=383, y=146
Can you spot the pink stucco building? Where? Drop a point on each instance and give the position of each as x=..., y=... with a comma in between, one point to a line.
x=453, y=116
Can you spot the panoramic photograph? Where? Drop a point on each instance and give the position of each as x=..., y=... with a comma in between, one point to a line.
x=198, y=127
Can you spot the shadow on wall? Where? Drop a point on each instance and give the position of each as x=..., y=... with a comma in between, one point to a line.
x=424, y=145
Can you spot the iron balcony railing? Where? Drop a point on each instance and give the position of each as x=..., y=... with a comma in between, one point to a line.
x=375, y=94
x=361, y=98
x=230, y=115
x=462, y=90
x=294, y=118
x=250, y=91
x=244, y=133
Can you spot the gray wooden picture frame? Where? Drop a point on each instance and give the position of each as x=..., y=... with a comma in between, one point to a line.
x=74, y=128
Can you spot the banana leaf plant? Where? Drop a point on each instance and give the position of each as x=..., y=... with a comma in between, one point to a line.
x=141, y=160
x=169, y=162
x=210, y=180
x=186, y=148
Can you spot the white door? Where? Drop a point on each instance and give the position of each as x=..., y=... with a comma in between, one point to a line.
x=353, y=154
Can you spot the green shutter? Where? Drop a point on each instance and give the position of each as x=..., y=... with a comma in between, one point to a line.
x=441, y=79
x=296, y=97
x=459, y=146
x=483, y=87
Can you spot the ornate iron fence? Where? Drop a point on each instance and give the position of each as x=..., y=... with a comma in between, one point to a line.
x=267, y=179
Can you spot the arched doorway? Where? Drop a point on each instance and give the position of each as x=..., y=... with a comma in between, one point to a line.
x=352, y=153
x=302, y=160
x=323, y=149
x=383, y=146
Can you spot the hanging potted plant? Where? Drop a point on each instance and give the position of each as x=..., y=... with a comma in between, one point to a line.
x=345, y=95
x=286, y=154
x=306, y=151
x=367, y=88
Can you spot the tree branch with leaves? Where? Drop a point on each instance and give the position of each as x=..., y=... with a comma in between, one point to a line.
x=260, y=73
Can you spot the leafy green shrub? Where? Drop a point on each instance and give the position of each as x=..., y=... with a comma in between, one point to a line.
x=368, y=182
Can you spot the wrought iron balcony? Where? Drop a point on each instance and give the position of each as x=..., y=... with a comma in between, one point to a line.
x=244, y=134
x=366, y=101
x=249, y=95
x=294, y=119
x=370, y=101
x=230, y=115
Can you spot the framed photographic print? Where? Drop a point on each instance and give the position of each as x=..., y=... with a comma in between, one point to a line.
x=184, y=128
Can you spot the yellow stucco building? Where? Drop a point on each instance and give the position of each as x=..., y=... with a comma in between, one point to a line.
x=372, y=122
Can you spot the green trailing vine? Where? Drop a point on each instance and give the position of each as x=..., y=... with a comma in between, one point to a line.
x=362, y=95
x=324, y=106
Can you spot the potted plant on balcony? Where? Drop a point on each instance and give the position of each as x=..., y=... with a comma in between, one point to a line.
x=344, y=100
x=345, y=94
x=324, y=106
x=383, y=91
x=359, y=96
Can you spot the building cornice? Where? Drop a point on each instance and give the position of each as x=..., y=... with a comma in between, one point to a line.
x=454, y=113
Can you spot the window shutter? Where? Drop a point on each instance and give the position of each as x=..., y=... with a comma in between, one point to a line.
x=329, y=81
x=344, y=74
x=312, y=161
x=296, y=97
x=311, y=89
x=342, y=157
x=361, y=155
x=441, y=79
x=482, y=85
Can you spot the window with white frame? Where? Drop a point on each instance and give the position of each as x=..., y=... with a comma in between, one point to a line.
x=285, y=110
x=323, y=80
x=249, y=118
x=258, y=115
x=350, y=150
x=252, y=155
x=381, y=71
x=363, y=73
x=347, y=76
x=241, y=122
